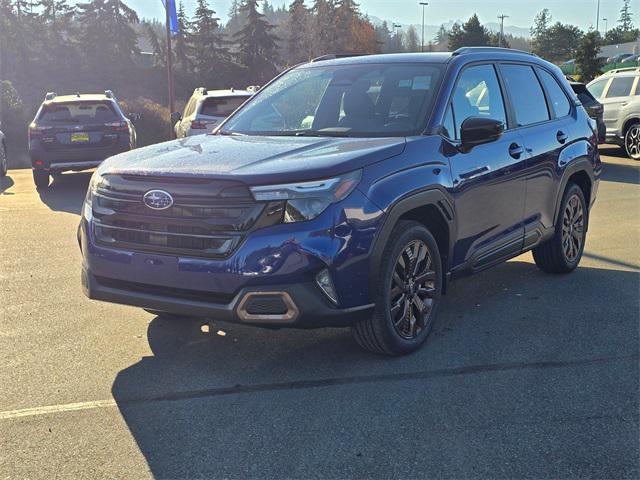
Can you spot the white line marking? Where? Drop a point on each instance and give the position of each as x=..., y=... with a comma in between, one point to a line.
x=67, y=407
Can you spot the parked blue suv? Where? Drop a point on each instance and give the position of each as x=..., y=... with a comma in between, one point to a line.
x=349, y=192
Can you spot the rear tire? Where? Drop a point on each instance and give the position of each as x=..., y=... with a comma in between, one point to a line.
x=562, y=253
x=41, y=179
x=408, y=295
x=3, y=161
x=632, y=141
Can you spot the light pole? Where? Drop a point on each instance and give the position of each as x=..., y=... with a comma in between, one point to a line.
x=397, y=26
x=500, y=39
x=424, y=4
x=598, y=18
x=606, y=24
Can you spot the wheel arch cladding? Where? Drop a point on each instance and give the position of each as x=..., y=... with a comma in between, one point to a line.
x=628, y=123
x=431, y=209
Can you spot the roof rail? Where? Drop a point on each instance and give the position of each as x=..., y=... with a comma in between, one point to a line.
x=333, y=56
x=109, y=94
x=253, y=88
x=624, y=69
x=201, y=90
x=465, y=50
x=50, y=95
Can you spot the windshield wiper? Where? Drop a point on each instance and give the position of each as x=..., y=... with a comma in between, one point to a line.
x=320, y=133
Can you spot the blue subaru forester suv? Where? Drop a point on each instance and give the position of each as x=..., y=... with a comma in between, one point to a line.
x=349, y=192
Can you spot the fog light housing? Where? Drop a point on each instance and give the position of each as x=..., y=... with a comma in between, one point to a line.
x=324, y=281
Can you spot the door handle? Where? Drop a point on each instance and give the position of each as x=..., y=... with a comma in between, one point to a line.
x=516, y=150
x=561, y=136
x=475, y=172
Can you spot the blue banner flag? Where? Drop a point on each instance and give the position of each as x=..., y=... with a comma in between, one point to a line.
x=173, y=16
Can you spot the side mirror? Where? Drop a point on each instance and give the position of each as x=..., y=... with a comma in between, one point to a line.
x=176, y=117
x=134, y=117
x=478, y=130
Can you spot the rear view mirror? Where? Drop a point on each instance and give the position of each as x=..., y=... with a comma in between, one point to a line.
x=479, y=130
x=176, y=117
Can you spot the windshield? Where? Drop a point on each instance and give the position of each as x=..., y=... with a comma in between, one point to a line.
x=78, y=112
x=344, y=100
x=221, y=106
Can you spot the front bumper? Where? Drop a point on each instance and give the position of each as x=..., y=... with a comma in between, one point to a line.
x=311, y=309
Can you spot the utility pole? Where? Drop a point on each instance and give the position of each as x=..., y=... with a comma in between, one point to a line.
x=424, y=4
x=169, y=64
x=397, y=26
x=501, y=38
x=598, y=18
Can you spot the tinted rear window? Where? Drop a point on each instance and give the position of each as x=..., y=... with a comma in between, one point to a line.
x=78, y=112
x=221, y=106
x=526, y=94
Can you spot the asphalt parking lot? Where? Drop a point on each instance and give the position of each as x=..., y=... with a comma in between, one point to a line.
x=526, y=375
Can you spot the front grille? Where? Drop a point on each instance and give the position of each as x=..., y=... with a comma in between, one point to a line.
x=208, y=218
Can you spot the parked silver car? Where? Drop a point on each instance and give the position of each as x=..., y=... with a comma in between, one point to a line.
x=206, y=109
x=619, y=91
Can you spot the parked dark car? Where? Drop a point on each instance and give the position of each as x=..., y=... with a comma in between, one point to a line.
x=593, y=107
x=77, y=132
x=4, y=160
x=350, y=192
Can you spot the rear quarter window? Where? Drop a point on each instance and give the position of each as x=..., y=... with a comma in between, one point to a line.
x=557, y=97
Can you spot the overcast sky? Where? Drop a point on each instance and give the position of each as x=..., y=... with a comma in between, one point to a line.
x=579, y=12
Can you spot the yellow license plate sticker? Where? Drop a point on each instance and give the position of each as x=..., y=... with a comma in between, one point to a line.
x=80, y=137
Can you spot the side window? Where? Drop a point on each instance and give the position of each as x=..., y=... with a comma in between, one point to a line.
x=527, y=98
x=557, y=97
x=596, y=88
x=620, y=87
x=476, y=94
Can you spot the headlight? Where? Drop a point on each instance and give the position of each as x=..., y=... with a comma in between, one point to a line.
x=88, y=199
x=307, y=200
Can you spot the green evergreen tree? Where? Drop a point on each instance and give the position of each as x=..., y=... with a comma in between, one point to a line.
x=587, y=59
x=257, y=45
x=541, y=41
x=211, y=56
x=470, y=34
x=298, y=41
x=626, y=17
x=323, y=28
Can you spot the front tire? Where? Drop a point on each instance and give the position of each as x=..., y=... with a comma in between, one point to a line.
x=562, y=253
x=632, y=141
x=41, y=179
x=408, y=295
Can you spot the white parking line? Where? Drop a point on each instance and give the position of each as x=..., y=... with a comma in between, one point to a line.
x=67, y=407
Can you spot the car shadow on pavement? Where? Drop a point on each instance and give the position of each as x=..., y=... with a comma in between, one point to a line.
x=5, y=184
x=616, y=172
x=242, y=402
x=66, y=192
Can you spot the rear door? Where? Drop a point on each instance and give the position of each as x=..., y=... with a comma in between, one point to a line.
x=616, y=97
x=542, y=113
x=488, y=185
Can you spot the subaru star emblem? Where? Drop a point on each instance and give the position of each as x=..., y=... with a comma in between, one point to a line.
x=157, y=199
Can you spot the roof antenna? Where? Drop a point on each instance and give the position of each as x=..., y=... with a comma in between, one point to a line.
x=78, y=94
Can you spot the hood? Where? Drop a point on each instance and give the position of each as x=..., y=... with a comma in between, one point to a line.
x=254, y=159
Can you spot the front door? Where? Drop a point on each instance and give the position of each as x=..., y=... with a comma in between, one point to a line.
x=488, y=181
